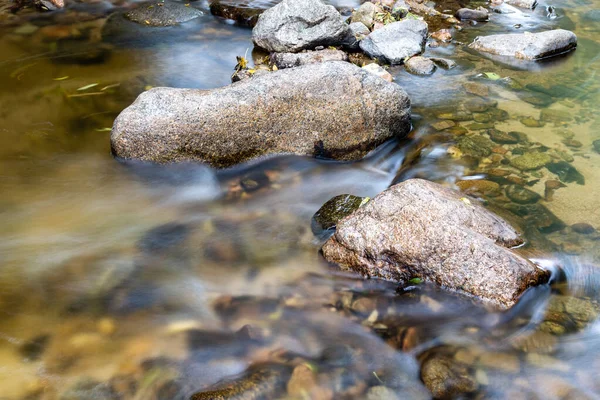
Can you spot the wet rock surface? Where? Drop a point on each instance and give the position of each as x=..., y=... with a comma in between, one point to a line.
x=292, y=26
x=165, y=13
x=237, y=123
x=420, y=229
x=396, y=41
x=527, y=46
x=289, y=60
x=467, y=14
x=327, y=217
x=244, y=12
x=420, y=65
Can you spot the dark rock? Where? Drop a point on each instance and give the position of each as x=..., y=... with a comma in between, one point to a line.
x=537, y=216
x=263, y=381
x=396, y=41
x=295, y=25
x=446, y=378
x=480, y=14
x=521, y=195
x=166, y=13
x=334, y=210
x=289, y=60
x=34, y=348
x=566, y=172
x=421, y=229
x=419, y=66
x=475, y=146
x=503, y=137
x=596, y=145
x=443, y=62
x=50, y=5
x=583, y=228
x=527, y=46
x=243, y=12
x=537, y=99
x=316, y=109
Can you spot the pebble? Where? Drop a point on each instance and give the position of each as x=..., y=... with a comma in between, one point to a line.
x=521, y=195
x=532, y=122
x=477, y=89
x=531, y=161
x=445, y=124
x=583, y=228
x=443, y=35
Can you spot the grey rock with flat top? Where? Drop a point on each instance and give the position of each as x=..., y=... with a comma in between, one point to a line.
x=467, y=14
x=160, y=13
x=290, y=60
x=396, y=41
x=296, y=25
x=332, y=110
x=421, y=229
x=527, y=46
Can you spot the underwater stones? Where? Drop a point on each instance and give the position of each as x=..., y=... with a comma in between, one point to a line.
x=334, y=210
x=521, y=195
x=443, y=35
x=581, y=310
x=419, y=66
x=475, y=145
x=522, y=3
x=295, y=25
x=478, y=89
x=165, y=13
x=527, y=46
x=530, y=161
x=289, y=60
x=532, y=122
x=503, y=137
x=446, y=378
x=318, y=110
x=479, y=186
x=566, y=172
x=396, y=41
x=479, y=104
x=244, y=12
x=443, y=62
x=382, y=393
x=583, y=228
x=467, y=14
x=421, y=229
x=596, y=144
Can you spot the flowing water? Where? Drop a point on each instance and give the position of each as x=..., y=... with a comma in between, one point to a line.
x=132, y=281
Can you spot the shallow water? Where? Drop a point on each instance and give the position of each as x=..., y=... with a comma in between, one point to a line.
x=132, y=281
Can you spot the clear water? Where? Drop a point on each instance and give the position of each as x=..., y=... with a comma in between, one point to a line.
x=133, y=281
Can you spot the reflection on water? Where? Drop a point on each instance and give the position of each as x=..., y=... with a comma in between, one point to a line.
x=136, y=281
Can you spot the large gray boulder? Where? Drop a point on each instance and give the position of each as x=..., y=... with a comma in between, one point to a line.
x=396, y=41
x=421, y=229
x=295, y=25
x=527, y=46
x=333, y=110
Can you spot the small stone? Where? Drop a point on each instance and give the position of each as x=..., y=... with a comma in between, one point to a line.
x=478, y=126
x=419, y=66
x=556, y=116
x=573, y=143
x=379, y=71
x=359, y=32
x=475, y=146
x=443, y=35
x=457, y=130
x=162, y=13
x=596, y=145
x=364, y=305
x=583, y=228
x=482, y=117
x=479, y=105
x=530, y=4
x=499, y=150
x=537, y=342
x=500, y=361
x=456, y=116
x=443, y=62
x=531, y=161
x=476, y=89
x=532, y=122
x=302, y=381
x=334, y=210
x=445, y=124
x=365, y=14
x=446, y=378
x=467, y=14
x=521, y=195
x=503, y=137
x=538, y=216
x=479, y=186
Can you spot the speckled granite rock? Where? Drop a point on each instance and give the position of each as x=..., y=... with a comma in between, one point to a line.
x=289, y=60
x=527, y=46
x=333, y=110
x=421, y=229
x=396, y=41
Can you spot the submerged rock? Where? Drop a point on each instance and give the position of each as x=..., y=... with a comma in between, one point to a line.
x=530, y=161
x=421, y=229
x=538, y=216
x=446, y=378
x=527, y=46
x=522, y=3
x=566, y=172
x=165, y=13
x=289, y=60
x=521, y=195
x=243, y=12
x=480, y=14
x=420, y=66
x=396, y=41
x=334, y=210
x=314, y=110
x=295, y=25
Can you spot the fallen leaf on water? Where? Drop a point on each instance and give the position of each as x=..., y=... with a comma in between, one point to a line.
x=62, y=78
x=86, y=87
x=110, y=86
x=103, y=129
x=491, y=75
